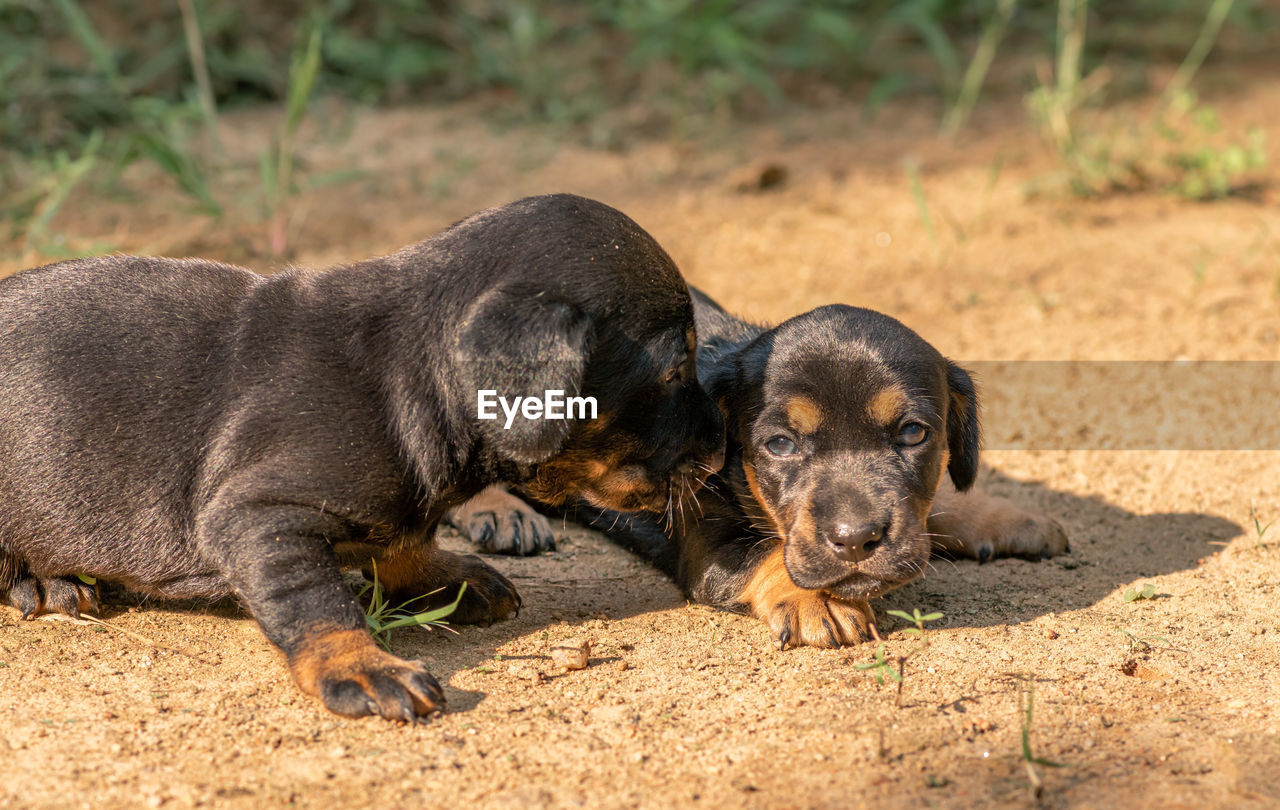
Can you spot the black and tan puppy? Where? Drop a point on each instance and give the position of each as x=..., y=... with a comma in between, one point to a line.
x=190, y=429
x=844, y=427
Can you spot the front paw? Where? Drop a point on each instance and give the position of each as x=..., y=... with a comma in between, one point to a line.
x=817, y=619
x=499, y=522
x=353, y=677
x=34, y=596
x=799, y=617
x=489, y=596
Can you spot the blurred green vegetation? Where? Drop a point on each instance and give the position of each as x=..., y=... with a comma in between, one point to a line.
x=88, y=86
x=67, y=64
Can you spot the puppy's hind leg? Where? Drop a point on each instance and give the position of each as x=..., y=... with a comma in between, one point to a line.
x=33, y=596
x=974, y=524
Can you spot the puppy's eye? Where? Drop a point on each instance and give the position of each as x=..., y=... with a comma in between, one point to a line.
x=912, y=433
x=781, y=446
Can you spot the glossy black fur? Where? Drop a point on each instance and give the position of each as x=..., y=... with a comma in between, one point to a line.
x=850, y=470
x=191, y=429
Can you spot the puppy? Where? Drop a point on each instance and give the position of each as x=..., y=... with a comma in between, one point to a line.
x=850, y=443
x=188, y=429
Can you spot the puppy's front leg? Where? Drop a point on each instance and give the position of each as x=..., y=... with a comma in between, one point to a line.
x=501, y=522
x=721, y=564
x=279, y=562
x=796, y=616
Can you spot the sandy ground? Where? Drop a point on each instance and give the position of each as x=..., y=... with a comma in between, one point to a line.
x=1172, y=701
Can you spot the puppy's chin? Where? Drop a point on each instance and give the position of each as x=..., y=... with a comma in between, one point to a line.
x=898, y=561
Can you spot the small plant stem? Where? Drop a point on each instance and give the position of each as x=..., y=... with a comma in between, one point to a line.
x=1073, y=16
x=922, y=202
x=1195, y=57
x=1027, y=696
x=140, y=638
x=902, y=673
x=976, y=74
x=200, y=69
x=302, y=78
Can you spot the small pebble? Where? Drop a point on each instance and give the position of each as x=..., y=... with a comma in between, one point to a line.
x=572, y=653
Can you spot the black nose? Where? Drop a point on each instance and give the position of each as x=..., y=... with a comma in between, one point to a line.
x=854, y=543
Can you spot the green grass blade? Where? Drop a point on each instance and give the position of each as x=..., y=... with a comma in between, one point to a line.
x=976, y=74
x=1199, y=51
x=302, y=78
x=922, y=209
x=70, y=175
x=427, y=617
x=82, y=29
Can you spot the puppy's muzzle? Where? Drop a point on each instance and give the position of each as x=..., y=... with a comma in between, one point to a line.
x=694, y=470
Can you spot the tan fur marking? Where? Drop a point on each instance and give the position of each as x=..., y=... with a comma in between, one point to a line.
x=886, y=405
x=754, y=485
x=594, y=427
x=490, y=499
x=769, y=585
x=407, y=567
x=803, y=414
x=337, y=652
x=810, y=618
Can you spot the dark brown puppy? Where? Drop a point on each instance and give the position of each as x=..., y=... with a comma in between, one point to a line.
x=191, y=430
x=844, y=427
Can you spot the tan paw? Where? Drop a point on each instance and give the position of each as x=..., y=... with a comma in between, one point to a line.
x=34, y=596
x=816, y=619
x=500, y=522
x=353, y=677
x=798, y=617
x=982, y=526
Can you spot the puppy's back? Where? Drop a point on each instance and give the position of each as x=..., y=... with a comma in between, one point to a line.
x=108, y=367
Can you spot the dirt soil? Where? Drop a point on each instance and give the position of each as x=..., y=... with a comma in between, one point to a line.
x=1172, y=701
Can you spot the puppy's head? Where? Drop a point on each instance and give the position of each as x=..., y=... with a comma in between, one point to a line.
x=847, y=421
x=599, y=312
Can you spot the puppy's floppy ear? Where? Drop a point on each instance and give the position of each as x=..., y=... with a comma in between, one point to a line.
x=963, y=435
x=734, y=378
x=521, y=345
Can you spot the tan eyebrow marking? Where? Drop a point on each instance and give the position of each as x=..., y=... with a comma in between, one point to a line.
x=887, y=404
x=803, y=414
